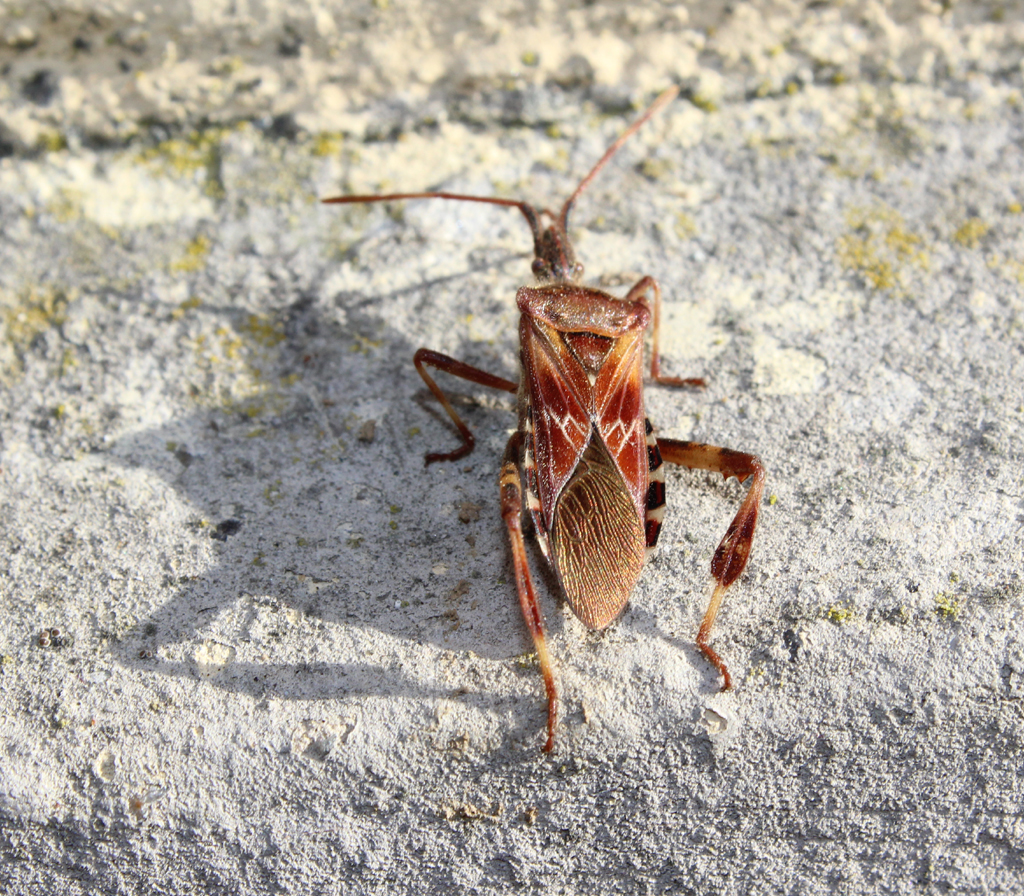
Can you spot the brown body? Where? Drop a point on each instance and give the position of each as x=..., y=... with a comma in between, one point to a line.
x=581, y=410
x=584, y=461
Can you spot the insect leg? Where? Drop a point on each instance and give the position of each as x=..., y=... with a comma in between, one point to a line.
x=734, y=550
x=425, y=357
x=638, y=294
x=512, y=513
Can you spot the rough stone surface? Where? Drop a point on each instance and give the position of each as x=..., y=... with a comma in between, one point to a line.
x=249, y=645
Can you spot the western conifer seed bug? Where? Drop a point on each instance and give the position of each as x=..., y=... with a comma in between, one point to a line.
x=584, y=454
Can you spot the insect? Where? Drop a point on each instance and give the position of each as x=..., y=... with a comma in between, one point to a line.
x=584, y=463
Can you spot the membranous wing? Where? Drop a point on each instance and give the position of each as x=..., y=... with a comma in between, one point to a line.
x=591, y=461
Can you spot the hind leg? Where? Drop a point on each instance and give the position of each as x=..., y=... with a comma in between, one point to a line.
x=734, y=550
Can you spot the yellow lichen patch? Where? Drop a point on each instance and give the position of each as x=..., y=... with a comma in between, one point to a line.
x=655, y=169
x=1015, y=208
x=66, y=204
x=194, y=258
x=190, y=304
x=327, y=143
x=839, y=614
x=227, y=65
x=1007, y=267
x=31, y=313
x=230, y=343
x=880, y=248
x=685, y=226
x=364, y=345
x=272, y=493
x=51, y=141
x=969, y=233
x=185, y=157
x=263, y=330
x=67, y=361
x=229, y=366
x=947, y=605
x=705, y=104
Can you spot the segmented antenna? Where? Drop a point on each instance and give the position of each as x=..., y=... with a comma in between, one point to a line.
x=551, y=248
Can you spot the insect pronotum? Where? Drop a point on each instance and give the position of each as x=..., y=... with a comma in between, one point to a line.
x=584, y=462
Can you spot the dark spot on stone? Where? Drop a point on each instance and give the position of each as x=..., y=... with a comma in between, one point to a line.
x=575, y=73
x=793, y=643
x=41, y=87
x=124, y=65
x=913, y=587
x=291, y=44
x=82, y=44
x=284, y=126
x=184, y=458
x=225, y=528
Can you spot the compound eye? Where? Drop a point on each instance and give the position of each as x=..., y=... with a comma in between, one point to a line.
x=540, y=269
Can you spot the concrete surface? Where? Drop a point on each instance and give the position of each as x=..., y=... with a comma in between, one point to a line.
x=290, y=660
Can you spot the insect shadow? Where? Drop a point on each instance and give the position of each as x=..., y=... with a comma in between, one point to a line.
x=307, y=524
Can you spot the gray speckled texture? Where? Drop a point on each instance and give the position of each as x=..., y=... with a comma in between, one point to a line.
x=294, y=658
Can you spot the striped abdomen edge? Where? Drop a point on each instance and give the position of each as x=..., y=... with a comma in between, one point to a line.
x=655, y=490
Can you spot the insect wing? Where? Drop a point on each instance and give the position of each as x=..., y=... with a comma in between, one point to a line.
x=591, y=463
x=618, y=396
x=562, y=403
x=597, y=540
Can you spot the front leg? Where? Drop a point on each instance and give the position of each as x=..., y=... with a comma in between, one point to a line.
x=637, y=294
x=512, y=513
x=734, y=550
x=425, y=356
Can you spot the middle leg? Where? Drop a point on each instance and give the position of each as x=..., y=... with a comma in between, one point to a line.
x=425, y=357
